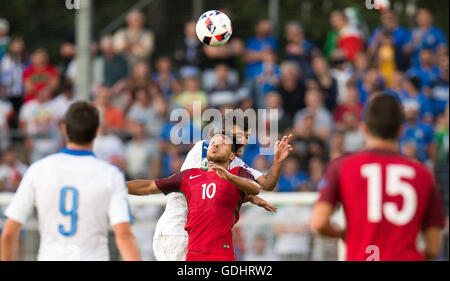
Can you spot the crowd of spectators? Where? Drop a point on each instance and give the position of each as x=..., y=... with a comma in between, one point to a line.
x=319, y=91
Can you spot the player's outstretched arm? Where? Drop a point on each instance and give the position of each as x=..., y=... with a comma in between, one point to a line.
x=258, y=201
x=126, y=242
x=142, y=187
x=320, y=220
x=249, y=187
x=10, y=240
x=282, y=149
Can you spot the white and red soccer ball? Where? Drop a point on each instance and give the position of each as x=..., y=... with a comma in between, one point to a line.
x=214, y=28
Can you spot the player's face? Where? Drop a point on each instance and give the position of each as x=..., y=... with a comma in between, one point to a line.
x=219, y=151
x=241, y=137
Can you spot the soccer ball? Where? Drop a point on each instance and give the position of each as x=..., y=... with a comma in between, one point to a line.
x=214, y=28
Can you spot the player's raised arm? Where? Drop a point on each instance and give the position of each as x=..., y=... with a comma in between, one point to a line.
x=282, y=149
x=142, y=187
x=248, y=186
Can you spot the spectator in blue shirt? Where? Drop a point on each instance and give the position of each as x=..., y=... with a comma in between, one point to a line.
x=425, y=35
x=255, y=47
x=412, y=96
x=440, y=90
x=417, y=132
x=401, y=36
x=292, y=178
x=427, y=71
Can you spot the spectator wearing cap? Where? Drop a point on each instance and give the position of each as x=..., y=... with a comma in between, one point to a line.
x=4, y=38
x=413, y=96
x=40, y=75
x=134, y=41
x=298, y=48
x=425, y=35
x=417, y=132
x=401, y=36
x=256, y=46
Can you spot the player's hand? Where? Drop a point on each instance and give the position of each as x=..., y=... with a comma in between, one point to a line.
x=258, y=201
x=221, y=171
x=282, y=148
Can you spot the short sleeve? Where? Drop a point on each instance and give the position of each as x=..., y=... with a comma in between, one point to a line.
x=434, y=213
x=244, y=173
x=193, y=158
x=119, y=209
x=172, y=183
x=23, y=202
x=329, y=185
x=240, y=163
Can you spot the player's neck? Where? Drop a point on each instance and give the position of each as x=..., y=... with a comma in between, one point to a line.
x=74, y=146
x=376, y=143
x=224, y=165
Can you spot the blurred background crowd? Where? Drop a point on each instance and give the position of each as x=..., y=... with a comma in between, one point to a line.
x=319, y=89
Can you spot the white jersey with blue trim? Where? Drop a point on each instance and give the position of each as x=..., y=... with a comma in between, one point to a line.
x=75, y=194
x=174, y=218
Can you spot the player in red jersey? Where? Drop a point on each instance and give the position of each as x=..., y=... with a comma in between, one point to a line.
x=387, y=198
x=214, y=199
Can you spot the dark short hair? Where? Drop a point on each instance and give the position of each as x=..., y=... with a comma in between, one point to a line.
x=238, y=118
x=384, y=117
x=82, y=120
x=233, y=139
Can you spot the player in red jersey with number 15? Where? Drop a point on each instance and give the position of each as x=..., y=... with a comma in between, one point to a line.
x=387, y=198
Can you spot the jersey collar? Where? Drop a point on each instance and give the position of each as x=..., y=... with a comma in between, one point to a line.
x=77, y=152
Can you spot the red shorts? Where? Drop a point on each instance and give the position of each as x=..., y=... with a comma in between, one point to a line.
x=194, y=256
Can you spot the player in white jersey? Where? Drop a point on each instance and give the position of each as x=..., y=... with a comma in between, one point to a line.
x=75, y=193
x=170, y=239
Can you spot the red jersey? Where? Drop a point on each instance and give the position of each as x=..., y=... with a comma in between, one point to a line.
x=40, y=78
x=387, y=199
x=213, y=208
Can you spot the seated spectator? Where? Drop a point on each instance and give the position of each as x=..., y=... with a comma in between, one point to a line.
x=134, y=41
x=273, y=101
x=4, y=38
x=12, y=66
x=142, y=154
x=192, y=92
x=11, y=171
x=109, y=147
x=440, y=90
x=326, y=83
x=336, y=148
x=71, y=71
x=293, y=236
x=354, y=138
x=6, y=114
x=260, y=251
x=342, y=72
x=148, y=111
x=40, y=75
x=67, y=54
x=261, y=163
x=291, y=178
x=349, y=39
x=372, y=82
x=401, y=37
x=224, y=91
x=267, y=78
x=189, y=52
x=323, y=122
x=417, y=132
x=413, y=95
x=110, y=69
x=255, y=47
x=112, y=116
x=427, y=71
x=360, y=67
x=64, y=100
x=425, y=35
x=316, y=173
x=164, y=77
x=397, y=84
x=292, y=89
x=350, y=105
x=298, y=48
x=39, y=121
